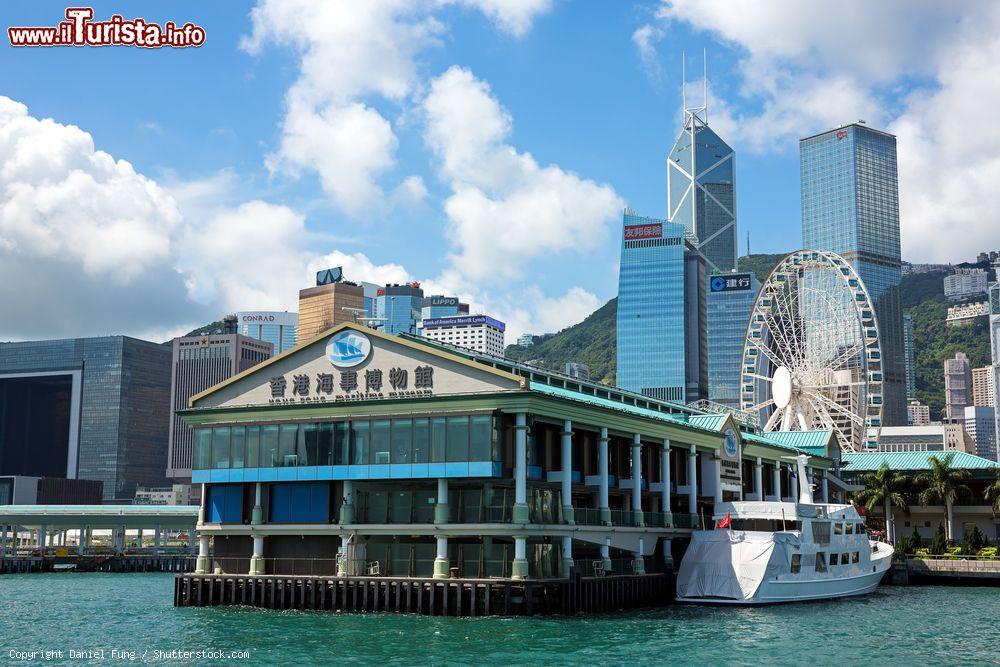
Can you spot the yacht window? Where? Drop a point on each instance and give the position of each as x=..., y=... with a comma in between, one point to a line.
x=861, y=529
x=838, y=529
x=856, y=557
x=821, y=562
x=850, y=529
x=844, y=558
x=796, y=563
x=821, y=531
x=833, y=560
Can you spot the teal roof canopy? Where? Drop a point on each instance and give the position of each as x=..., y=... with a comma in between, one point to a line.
x=868, y=461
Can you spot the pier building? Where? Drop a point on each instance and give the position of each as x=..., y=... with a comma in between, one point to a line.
x=361, y=453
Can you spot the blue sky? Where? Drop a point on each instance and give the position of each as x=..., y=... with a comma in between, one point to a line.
x=484, y=147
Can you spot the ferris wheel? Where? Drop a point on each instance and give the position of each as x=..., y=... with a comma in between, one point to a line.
x=811, y=357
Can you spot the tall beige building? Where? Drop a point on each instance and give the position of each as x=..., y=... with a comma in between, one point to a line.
x=983, y=389
x=957, y=386
x=323, y=307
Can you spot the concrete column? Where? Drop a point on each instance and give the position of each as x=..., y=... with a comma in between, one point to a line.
x=826, y=488
x=793, y=475
x=43, y=536
x=257, y=514
x=606, y=554
x=347, y=508
x=520, y=513
x=665, y=479
x=693, y=481
x=758, y=479
x=519, y=568
x=718, y=476
x=3, y=541
x=441, y=564
x=201, y=505
x=638, y=563
x=257, y=558
x=809, y=481
x=567, y=555
x=202, y=564
x=567, y=472
x=602, y=472
x=81, y=541
x=156, y=539
x=637, y=480
x=776, y=478
x=139, y=537
x=441, y=514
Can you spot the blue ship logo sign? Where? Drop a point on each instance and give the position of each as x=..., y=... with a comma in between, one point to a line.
x=348, y=348
x=730, y=443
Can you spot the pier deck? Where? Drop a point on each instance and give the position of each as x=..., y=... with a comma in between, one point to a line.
x=427, y=596
x=98, y=563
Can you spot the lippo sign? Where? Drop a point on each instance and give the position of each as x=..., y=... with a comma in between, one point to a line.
x=639, y=232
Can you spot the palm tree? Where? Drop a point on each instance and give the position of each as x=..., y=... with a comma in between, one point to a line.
x=944, y=485
x=993, y=491
x=882, y=488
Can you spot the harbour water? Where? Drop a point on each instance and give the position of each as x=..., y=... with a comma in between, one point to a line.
x=130, y=615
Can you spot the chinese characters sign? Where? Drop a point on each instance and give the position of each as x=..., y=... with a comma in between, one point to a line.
x=353, y=385
x=637, y=232
x=730, y=282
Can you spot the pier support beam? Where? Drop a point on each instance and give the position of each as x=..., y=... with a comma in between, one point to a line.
x=81, y=542
x=776, y=478
x=441, y=563
x=257, y=559
x=156, y=539
x=606, y=555
x=520, y=512
x=567, y=555
x=717, y=468
x=637, y=480
x=602, y=472
x=257, y=513
x=3, y=541
x=693, y=480
x=567, y=472
x=201, y=565
x=519, y=568
x=639, y=563
x=347, y=507
x=758, y=479
x=43, y=536
x=441, y=513
x=665, y=480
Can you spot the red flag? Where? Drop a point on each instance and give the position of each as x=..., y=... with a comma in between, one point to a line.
x=725, y=522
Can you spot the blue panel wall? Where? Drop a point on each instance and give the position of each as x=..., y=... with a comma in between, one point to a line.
x=300, y=502
x=225, y=503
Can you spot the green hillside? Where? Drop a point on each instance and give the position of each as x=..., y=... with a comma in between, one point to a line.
x=593, y=341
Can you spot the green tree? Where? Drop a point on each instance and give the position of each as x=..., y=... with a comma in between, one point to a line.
x=993, y=491
x=944, y=485
x=882, y=488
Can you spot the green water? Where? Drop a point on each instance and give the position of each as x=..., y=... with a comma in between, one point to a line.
x=133, y=612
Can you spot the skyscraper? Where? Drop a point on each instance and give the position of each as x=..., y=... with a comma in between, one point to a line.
x=957, y=386
x=275, y=327
x=983, y=388
x=850, y=205
x=994, y=293
x=730, y=299
x=331, y=302
x=398, y=307
x=701, y=188
x=661, y=311
x=980, y=424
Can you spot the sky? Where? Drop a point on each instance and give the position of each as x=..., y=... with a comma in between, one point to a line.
x=485, y=148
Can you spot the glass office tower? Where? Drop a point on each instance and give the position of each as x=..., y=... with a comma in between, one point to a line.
x=271, y=326
x=730, y=299
x=701, y=190
x=661, y=311
x=850, y=205
x=399, y=306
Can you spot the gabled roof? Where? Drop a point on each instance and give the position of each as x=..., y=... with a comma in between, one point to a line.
x=712, y=421
x=868, y=461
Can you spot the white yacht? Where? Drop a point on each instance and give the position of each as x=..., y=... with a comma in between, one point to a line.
x=782, y=552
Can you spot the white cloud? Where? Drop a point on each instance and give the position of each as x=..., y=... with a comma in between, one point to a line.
x=807, y=67
x=505, y=209
x=411, y=193
x=511, y=16
x=645, y=38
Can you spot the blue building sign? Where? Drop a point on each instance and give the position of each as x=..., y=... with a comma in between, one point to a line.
x=462, y=321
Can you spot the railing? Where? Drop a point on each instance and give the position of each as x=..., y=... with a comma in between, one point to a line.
x=594, y=567
x=692, y=521
x=622, y=518
x=587, y=516
x=656, y=519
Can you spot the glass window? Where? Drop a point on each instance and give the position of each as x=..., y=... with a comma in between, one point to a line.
x=220, y=447
x=253, y=446
x=305, y=449
x=850, y=529
x=202, y=448
x=820, y=562
x=402, y=437
x=238, y=447
x=821, y=531
x=324, y=444
x=421, y=440
x=341, y=443
x=438, y=439
x=845, y=558
x=379, y=441
x=268, y=446
x=796, y=563
x=458, y=438
x=481, y=438
x=838, y=529
x=359, y=442
x=856, y=557
x=286, y=445
x=833, y=559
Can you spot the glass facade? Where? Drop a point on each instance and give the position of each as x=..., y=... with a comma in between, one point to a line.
x=275, y=327
x=850, y=205
x=728, y=315
x=650, y=319
x=369, y=442
x=399, y=306
x=701, y=192
x=124, y=405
